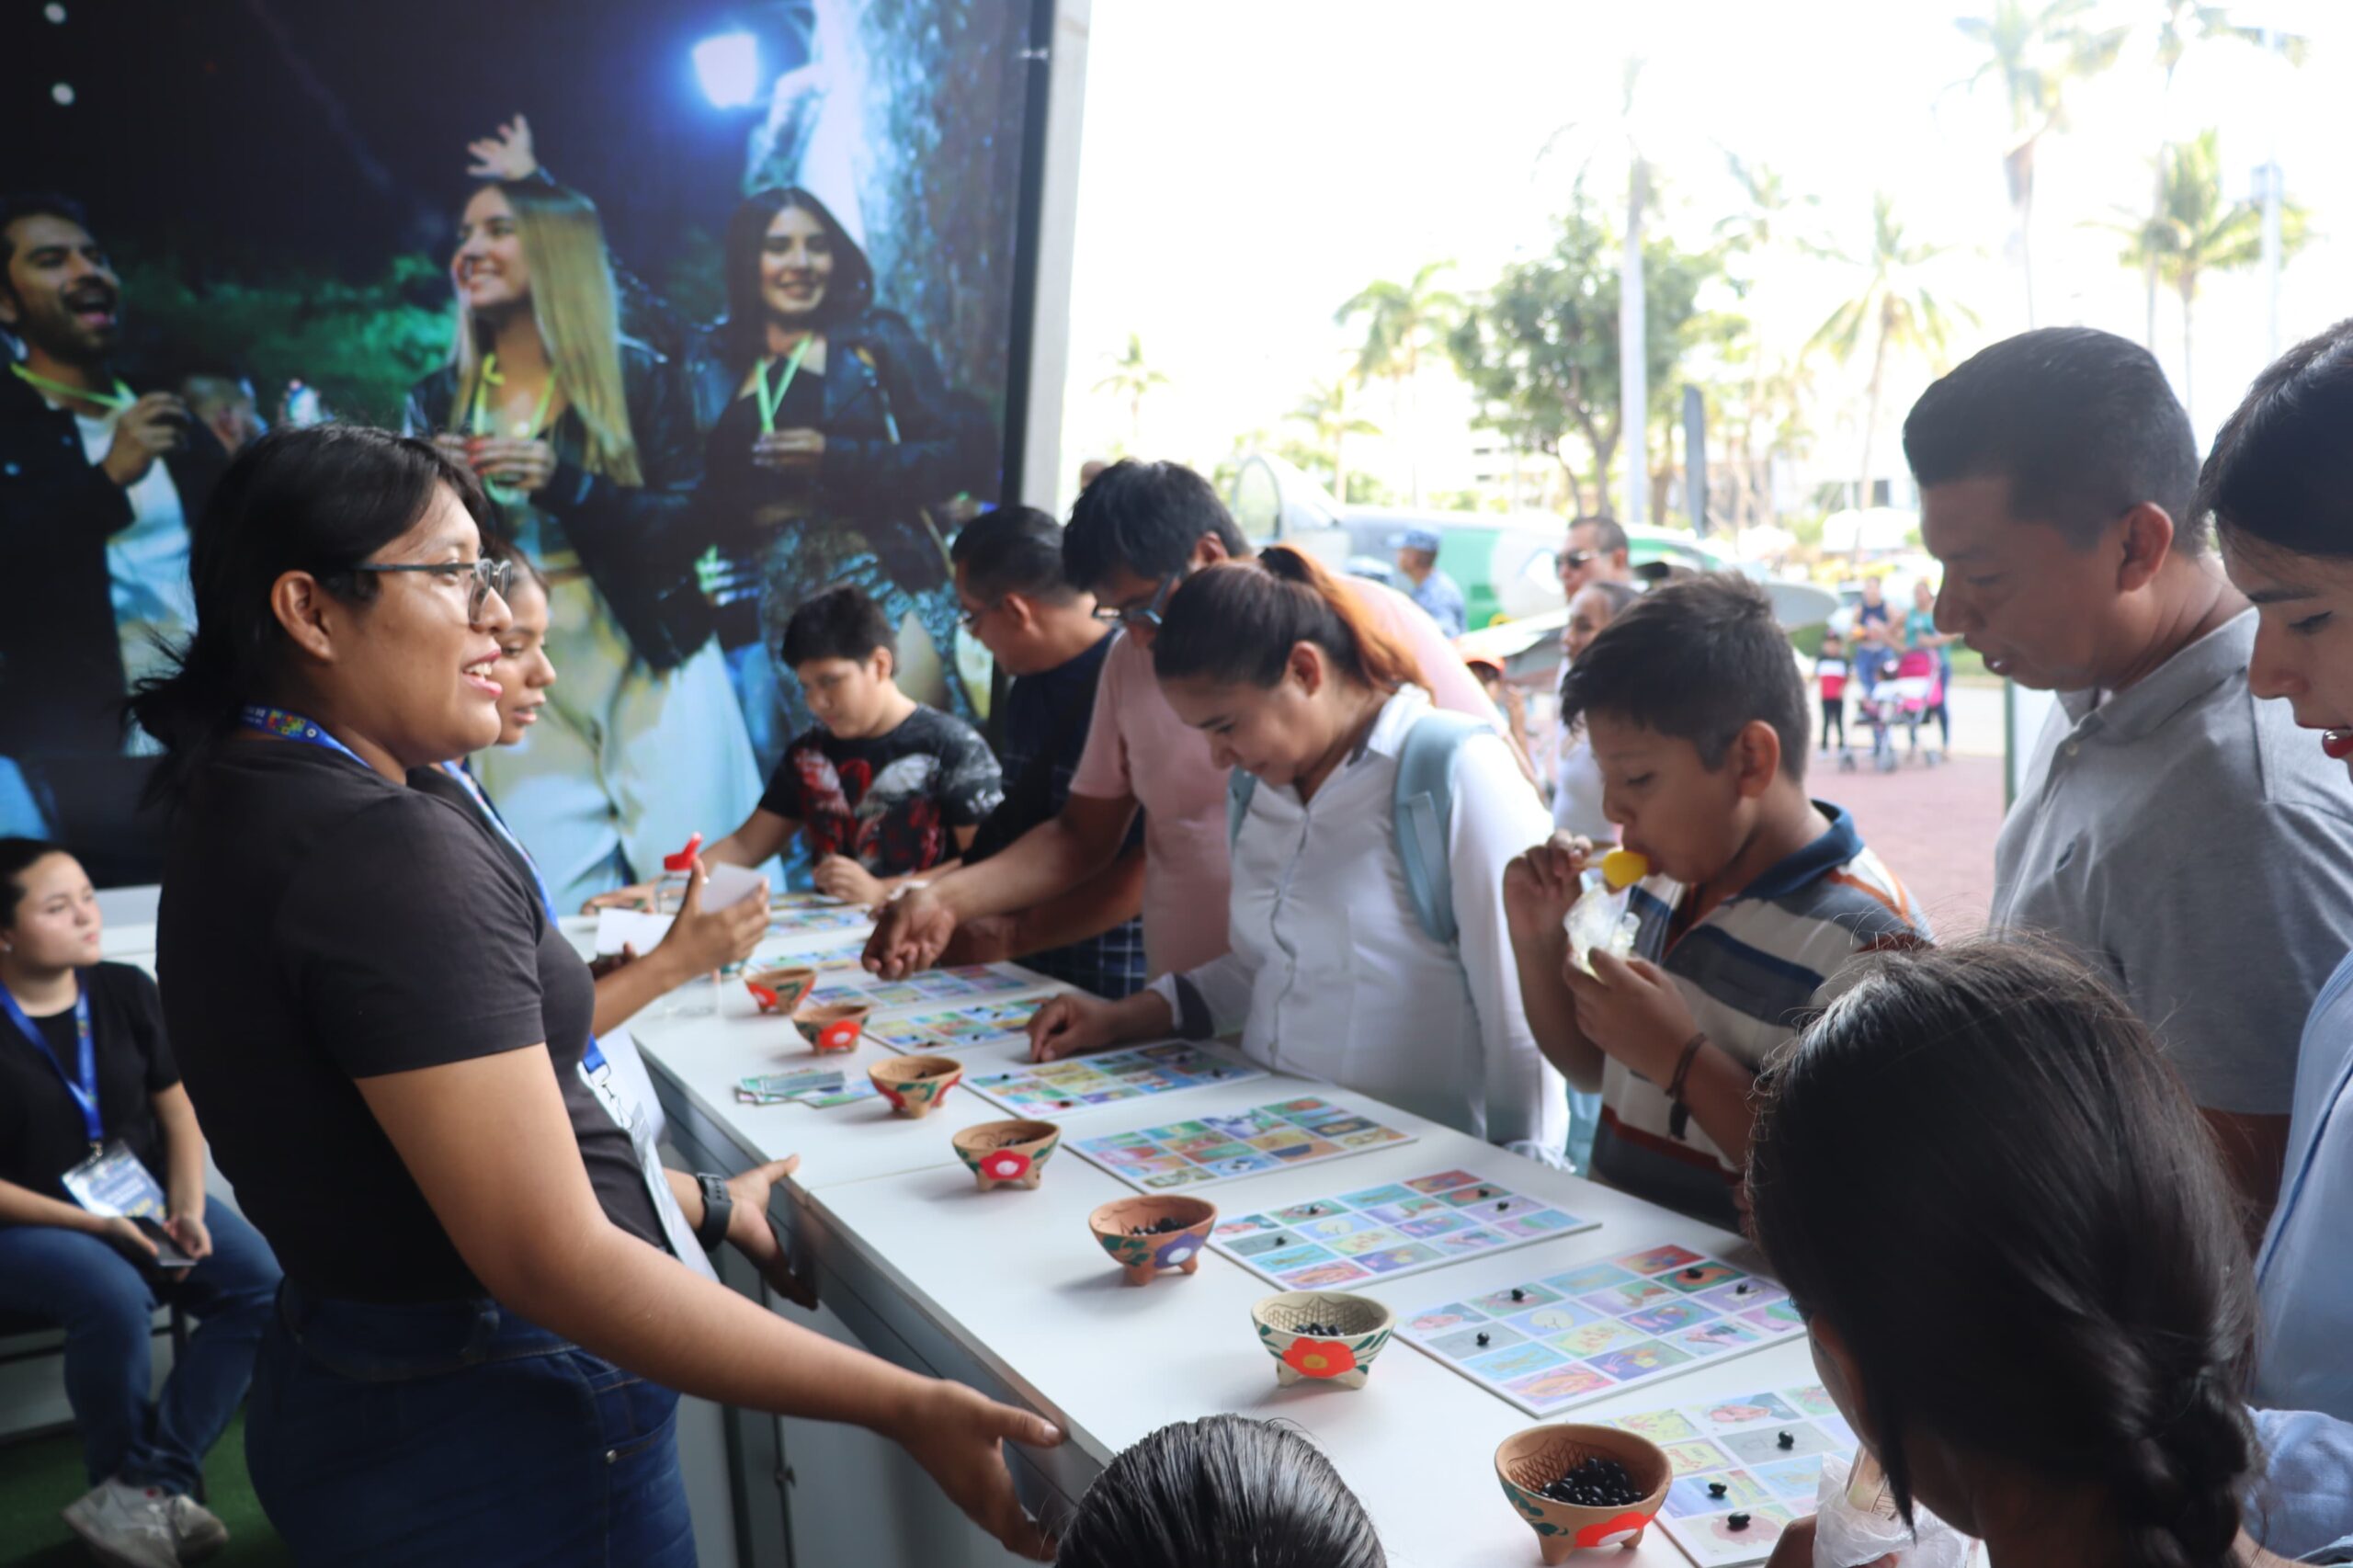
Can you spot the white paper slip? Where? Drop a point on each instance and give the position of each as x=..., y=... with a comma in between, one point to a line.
x=729, y=885
x=618, y=928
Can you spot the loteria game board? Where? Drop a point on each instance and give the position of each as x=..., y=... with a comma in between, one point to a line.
x=1764, y=1450
x=1389, y=1232
x=1587, y=1333
x=1222, y=1148
x=1081, y=1083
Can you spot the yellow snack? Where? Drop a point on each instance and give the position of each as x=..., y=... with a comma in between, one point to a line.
x=1623, y=868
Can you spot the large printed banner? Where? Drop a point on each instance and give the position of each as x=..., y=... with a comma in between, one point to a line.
x=758, y=262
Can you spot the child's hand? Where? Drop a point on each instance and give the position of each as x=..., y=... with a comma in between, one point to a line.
x=838, y=876
x=1632, y=1011
x=1541, y=884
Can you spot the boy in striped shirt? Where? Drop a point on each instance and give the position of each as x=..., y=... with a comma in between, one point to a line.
x=1759, y=894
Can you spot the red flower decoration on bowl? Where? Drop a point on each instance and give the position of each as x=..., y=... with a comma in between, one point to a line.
x=1004, y=1164
x=1319, y=1357
x=841, y=1035
x=1613, y=1532
x=898, y=1100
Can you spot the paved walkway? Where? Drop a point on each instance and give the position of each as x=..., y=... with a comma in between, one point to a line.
x=1934, y=826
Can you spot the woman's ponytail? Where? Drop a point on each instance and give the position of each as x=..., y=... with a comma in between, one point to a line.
x=1235, y=623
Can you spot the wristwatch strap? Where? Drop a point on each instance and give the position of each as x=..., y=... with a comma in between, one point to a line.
x=718, y=1208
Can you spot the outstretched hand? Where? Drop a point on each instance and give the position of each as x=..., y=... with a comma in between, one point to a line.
x=506, y=155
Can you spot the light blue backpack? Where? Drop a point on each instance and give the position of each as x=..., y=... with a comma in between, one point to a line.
x=1422, y=809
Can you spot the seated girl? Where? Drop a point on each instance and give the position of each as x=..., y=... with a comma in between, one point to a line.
x=1333, y=973
x=2018, y=1259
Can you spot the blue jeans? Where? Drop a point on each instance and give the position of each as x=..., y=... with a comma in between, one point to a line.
x=107, y=1308
x=455, y=1433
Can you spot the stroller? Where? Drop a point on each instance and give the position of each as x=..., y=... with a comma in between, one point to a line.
x=1914, y=692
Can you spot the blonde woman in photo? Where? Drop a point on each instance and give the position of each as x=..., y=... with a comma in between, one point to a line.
x=584, y=439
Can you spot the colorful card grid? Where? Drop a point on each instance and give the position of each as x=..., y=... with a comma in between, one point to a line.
x=956, y=1029
x=1081, y=1083
x=1389, y=1232
x=1222, y=1148
x=799, y=913
x=851, y=982
x=1758, y=1454
x=1572, y=1337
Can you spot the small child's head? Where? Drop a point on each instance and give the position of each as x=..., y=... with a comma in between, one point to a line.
x=1832, y=644
x=2021, y=1265
x=1591, y=609
x=840, y=648
x=1696, y=715
x=1222, y=1491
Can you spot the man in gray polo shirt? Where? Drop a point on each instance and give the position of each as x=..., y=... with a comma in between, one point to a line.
x=2170, y=829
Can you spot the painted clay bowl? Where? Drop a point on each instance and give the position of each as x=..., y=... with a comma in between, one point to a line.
x=1142, y=1257
x=1008, y=1154
x=1529, y=1461
x=780, y=990
x=1347, y=1333
x=835, y=1027
x=914, y=1084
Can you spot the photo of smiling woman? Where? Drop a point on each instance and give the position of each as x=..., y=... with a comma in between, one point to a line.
x=837, y=441
x=585, y=442
x=484, y=1318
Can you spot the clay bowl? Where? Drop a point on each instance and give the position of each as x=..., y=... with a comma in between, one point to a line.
x=1143, y=1257
x=914, y=1084
x=1364, y=1325
x=1529, y=1461
x=780, y=990
x=835, y=1027
x=1008, y=1154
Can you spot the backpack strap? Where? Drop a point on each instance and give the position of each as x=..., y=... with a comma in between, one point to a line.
x=1239, y=788
x=1424, y=813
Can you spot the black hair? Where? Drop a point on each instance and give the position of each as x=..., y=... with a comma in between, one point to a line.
x=19, y=856
x=2082, y=423
x=840, y=623
x=745, y=334
x=1698, y=659
x=20, y=204
x=1979, y=1170
x=1222, y=1492
x=2279, y=469
x=317, y=498
x=1236, y=624
x=1609, y=534
x=1146, y=518
x=1013, y=550
x=1621, y=597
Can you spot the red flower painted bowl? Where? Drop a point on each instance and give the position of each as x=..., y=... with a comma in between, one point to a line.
x=836, y=1027
x=1008, y=1154
x=1529, y=1461
x=780, y=990
x=1323, y=1336
x=1129, y=1230
x=914, y=1084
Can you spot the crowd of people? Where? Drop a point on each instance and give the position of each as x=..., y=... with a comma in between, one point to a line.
x=2054, y=1203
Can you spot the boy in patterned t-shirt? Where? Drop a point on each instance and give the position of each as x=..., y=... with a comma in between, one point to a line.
x=884, y=787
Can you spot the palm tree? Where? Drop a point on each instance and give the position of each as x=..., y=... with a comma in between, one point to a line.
x=1327, y=415
x=1894, y=313
x=2037, y=50
x=1131, y=376
x=1402, y=320
x=2197, y=229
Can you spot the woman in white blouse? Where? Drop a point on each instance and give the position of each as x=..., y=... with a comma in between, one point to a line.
x=1331, y=973
x=1577, y=778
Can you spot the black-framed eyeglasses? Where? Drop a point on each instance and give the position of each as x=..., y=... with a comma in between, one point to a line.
x=1146, y=615
x=487, y=576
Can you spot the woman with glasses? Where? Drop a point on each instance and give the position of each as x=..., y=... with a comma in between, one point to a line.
x=585, y=442
x=484, y=1313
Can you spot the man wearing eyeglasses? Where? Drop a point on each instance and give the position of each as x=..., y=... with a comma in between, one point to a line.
x=96, y=484
x=1136, y=533
x=1596, y=553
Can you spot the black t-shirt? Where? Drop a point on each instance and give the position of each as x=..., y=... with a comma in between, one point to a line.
x=735, y=487
x=42, y=1135
x=320, y=924
x=890, y=802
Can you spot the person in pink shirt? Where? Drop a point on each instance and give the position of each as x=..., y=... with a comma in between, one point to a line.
x=1137, y=532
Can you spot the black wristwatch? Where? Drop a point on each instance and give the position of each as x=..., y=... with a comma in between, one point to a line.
x=718, y=1208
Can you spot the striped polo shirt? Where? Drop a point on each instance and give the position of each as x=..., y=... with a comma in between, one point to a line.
x=1752, y=970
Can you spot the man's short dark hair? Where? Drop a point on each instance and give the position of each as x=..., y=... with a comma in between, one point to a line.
x=1699, y=660
x=840, y=623
x=1013, y=549
x=1609, y=536
x=1146, y=518
x=19, y=204
x=2082, y=424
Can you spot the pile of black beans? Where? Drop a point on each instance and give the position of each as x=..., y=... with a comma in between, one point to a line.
x=1321, y=1330
x=1596, y=1483
x=1159, y=1227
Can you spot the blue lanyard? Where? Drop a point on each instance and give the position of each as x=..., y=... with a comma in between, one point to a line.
x=592, y=1056
x=294, y=727
x=85, y=1092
